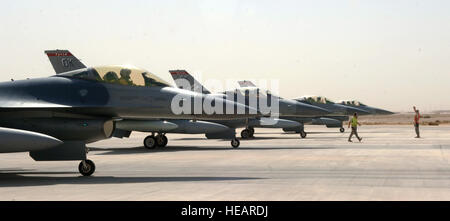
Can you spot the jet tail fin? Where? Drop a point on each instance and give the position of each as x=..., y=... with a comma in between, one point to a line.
x=246, y=84
x=63, y=61
x=181, y=76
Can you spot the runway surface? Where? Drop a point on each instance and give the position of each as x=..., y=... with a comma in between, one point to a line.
x=388, y=165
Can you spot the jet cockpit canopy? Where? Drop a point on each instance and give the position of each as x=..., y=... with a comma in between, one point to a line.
x=316, y=99
x=352, y=103
x=120, y=74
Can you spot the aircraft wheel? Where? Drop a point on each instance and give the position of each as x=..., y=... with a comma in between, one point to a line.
x=86, y=167
x=165, y=140
x=252, y=131
x=303, y=134
x=150, y=142
x=245, y=134
x=161, y=141
x=235, y=143
x=342, y=130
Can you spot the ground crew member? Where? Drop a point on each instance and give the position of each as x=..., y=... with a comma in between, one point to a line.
x=354, y=122
x=416, y=121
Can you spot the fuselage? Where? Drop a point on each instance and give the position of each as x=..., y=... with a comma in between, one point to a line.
x=78, y=96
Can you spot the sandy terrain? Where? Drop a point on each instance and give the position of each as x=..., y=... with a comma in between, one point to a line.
x=405, y=119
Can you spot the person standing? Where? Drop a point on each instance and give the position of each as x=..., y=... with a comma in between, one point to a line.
x=416, y=121
x=354, y=123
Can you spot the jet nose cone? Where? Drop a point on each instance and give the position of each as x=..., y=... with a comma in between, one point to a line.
x=310, y=110
x=352, y=110
x=383, y=112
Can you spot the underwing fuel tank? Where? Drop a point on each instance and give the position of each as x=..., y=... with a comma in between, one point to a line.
x=198, y=127
x=272, y=123
x=87, y=130
x=14, y=140
x=171, y=126
x=145, y=125
x=326, y=121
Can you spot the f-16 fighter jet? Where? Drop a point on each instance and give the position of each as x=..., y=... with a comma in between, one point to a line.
x=63, y=61
x=359, y=105
x=337, y=113
x=53, y=118
x=286, y=108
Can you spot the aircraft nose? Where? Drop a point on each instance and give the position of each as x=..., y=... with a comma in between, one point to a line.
x=352, y=110
x=383, y=112
x=310, y=110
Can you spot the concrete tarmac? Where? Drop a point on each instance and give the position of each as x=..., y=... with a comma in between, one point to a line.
x=390, y=164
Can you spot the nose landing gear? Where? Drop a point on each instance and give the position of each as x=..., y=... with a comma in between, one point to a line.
x=235, y=143
x=86, y=167
x=303, y=134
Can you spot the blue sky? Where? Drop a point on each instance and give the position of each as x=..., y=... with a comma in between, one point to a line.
x=392, y=54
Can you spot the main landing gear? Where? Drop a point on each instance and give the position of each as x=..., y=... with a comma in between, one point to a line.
x=342, y=130
x=152, y=141
x=248, y=133
x=86, y=167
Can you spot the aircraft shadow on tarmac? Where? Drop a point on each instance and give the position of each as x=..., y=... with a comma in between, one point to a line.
x=253, y=138
x=343, y=145
x=142, y=150
x=33, y=178
x=272, y=138
x=357, y=177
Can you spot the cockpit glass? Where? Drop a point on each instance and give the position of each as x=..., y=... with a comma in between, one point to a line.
x=119, y=75
x=328, y=101
x=357, y=103
x=250, y=92
x=318, y=99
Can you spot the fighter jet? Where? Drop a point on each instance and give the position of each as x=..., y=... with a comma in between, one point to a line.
x=64, y=61
x=338, y=113
x=359, y=105
x=53, y=118
x=287, y=108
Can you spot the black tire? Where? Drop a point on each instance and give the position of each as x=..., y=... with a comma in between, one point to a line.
x=150, y=142
x=252, y=131
x=161, y=141
x=86, y=169
x=342, y=130
x=245, y=134
x=166, y=141
x=303, y=134
x=235, y=143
